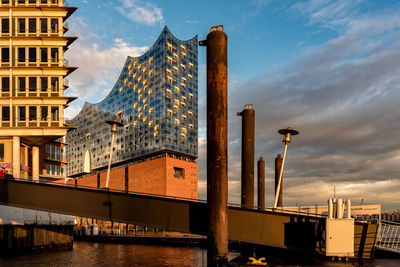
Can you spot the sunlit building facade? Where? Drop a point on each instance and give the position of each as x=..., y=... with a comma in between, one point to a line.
x=155, y=97
x=32, y=84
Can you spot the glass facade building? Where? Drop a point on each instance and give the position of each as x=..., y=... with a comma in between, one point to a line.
x=156, y=99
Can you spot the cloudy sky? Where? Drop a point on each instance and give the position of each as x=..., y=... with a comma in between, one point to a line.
x=331, y=69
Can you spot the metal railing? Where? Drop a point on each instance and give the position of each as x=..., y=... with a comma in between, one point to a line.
x=388, y=237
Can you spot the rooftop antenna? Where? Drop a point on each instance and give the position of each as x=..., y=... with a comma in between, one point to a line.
x=288, y=132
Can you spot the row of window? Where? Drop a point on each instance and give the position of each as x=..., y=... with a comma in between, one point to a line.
x=55, y=170
x=44, y=2
x=32, y=54
x=31, y=113
x=54, y=152
x=32, y=25
x=32, y=84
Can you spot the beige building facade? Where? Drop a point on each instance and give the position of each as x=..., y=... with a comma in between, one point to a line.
x=32, y=81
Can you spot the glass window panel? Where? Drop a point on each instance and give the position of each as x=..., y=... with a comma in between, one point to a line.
x=32, y=113
x=43, y=54
x=21, y=54
x=5, y=84
x=22, y=113
x=5, y=55
x=1, y=152
x=44, y=113
x=43, y=25
x=5, y=113
x=32, y=54
x=22, y=84
x=5, y=25
x=32, y=83
x=32, y=25
x=21, y=26
x=44, y=83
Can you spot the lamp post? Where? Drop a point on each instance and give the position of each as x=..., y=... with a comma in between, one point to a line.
x=288, y=132
x=114, y=127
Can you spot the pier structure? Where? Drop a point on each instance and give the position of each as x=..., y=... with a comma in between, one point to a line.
x=217, y=145
x=247, y=178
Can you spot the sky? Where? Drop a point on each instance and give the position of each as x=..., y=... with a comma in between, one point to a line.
x=330, y=69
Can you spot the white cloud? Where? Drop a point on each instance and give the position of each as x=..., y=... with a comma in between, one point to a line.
x=98, y=67
x=142, y=12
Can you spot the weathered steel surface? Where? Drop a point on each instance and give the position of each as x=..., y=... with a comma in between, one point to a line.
x=176, y=215
x=217, y=145
x=278, y=167
x=248, y=122
x=261, y=183
x=283, y=230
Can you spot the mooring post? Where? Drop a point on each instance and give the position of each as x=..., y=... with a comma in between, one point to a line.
x=261, y=183
x=278, y=167
x=248, y=121
x=217, y=145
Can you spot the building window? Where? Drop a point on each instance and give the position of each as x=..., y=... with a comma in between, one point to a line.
x=5, y=84
x=54, y=84
x=22, y=113
x=43, y=113
x=1, y=152
x=120, y=114
x=44, y=83
x=43, y=25
x=32, y=113
x=21, y=26
x=5, y=26
x=54, y=55
x=5, y=55
x=54, y=25
x=32, y=84
x=32, y=25
x=32, y=54
x=178, y=173
x=21, y=54
x=22, y=84
x=54, y=114
x=43, y=54
x=5, y=113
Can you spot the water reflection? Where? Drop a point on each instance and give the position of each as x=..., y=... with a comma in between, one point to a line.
x=99, y=254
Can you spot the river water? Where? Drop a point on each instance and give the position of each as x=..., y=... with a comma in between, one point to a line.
x=99, y=254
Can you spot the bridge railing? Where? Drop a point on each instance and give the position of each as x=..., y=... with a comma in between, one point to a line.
x=388, y=237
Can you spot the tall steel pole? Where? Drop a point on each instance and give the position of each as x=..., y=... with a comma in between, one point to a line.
x=261, y=183
x=288, y=132
x=114, y=127
x=278, y=168
x=217, y=145
x=248, y=122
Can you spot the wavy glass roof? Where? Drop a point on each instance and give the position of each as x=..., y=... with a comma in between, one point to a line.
x=155, y=97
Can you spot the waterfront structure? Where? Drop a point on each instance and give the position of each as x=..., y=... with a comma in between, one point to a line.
x=155, y=97
x=32, y=72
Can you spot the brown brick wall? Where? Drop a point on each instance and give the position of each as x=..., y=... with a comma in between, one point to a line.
x=185, y=187
x=154, y=176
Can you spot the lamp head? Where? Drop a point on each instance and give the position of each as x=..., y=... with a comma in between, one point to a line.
x=288, y=132
x=114, y=125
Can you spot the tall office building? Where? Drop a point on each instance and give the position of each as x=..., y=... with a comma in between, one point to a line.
x=32, y=72
x=155, y=97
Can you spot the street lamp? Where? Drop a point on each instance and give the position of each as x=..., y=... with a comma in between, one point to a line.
x=114, y=127
x=288, y=132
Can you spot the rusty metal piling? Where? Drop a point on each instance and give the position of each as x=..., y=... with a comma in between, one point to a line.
x=217, y=147
x=261, y=183
x=278, y=168
x=248, y=122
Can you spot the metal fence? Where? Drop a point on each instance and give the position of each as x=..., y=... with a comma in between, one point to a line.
x=388, y=237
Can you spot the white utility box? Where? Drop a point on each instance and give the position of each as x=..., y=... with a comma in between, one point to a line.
x=340, y=237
